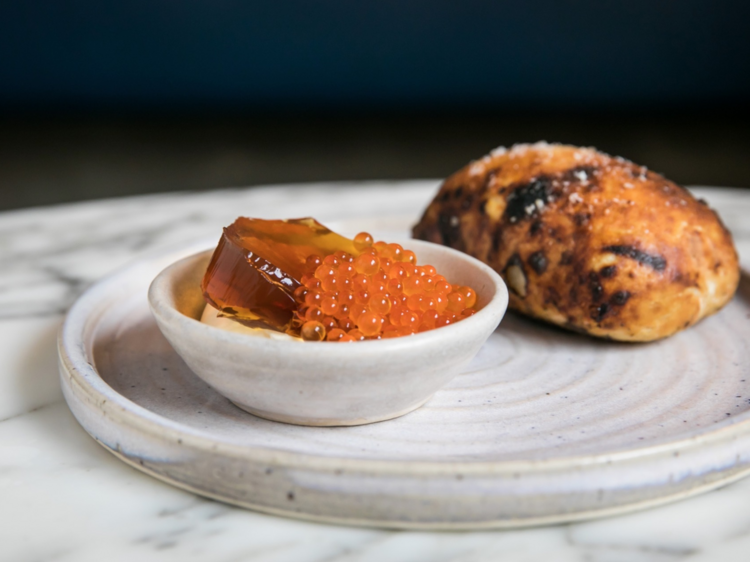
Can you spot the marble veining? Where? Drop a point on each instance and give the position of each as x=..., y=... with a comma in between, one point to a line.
x=65, y=498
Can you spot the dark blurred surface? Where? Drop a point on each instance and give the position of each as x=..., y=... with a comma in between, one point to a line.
x=391, y=53
x=103, y=99
x=52, y=160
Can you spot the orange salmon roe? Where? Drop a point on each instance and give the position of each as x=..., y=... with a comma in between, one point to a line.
x=298, y=277
x=381, y=293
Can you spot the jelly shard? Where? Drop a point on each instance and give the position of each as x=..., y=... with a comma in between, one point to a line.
x=259, y=263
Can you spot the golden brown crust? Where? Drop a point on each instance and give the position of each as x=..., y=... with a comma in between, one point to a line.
x=587, y=241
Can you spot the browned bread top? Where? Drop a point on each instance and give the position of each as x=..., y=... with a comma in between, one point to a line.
x=588, y=241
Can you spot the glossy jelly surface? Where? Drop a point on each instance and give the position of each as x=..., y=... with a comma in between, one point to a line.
x=299, y=277
x=257, y=266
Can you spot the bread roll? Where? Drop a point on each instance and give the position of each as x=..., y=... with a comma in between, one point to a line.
x=586, y=241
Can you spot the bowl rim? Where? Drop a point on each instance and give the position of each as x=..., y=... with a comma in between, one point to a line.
x=494, y=309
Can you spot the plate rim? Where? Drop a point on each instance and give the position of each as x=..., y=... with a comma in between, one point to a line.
x=81, y=372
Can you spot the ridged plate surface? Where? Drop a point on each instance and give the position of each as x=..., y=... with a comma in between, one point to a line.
x=543, y=426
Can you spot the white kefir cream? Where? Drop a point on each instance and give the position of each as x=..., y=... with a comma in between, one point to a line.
x=213, y=317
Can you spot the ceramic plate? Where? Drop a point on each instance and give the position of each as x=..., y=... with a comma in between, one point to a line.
x=543, y=426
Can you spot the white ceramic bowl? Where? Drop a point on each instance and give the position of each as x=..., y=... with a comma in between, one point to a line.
x=324, y=383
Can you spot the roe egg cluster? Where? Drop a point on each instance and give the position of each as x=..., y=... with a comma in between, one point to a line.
x=380, y=293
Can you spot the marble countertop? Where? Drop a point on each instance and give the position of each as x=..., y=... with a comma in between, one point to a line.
x=64, y=498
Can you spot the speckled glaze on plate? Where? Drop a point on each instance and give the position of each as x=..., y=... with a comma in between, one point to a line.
x=543, y=426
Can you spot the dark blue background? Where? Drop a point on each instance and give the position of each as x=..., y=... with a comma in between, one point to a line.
x=404, y=53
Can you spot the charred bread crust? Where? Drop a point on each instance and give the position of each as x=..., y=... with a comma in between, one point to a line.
x=587, y=241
